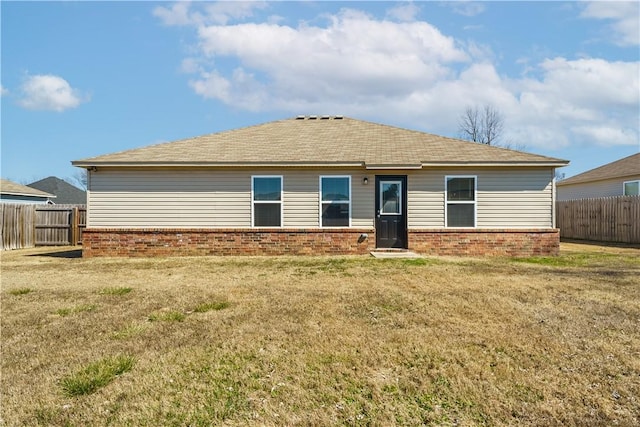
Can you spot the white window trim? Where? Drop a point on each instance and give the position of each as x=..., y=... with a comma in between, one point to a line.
x=473, y=202
x=624, y=184
x=280, y=202
x=321, y=202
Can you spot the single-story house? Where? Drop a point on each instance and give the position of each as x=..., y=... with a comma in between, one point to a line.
x=66, y=194
x=619, y=178
x=12, y=192
x=320, y=185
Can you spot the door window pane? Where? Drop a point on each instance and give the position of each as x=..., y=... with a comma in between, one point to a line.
x=390, y=197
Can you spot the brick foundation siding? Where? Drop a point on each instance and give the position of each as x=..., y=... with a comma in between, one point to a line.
x=479, y=242
x=176, y=242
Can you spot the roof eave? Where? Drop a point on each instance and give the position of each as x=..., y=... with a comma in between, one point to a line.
x=393, y=166
x=558, y=163
x=87, y=164
x=568, y=181
x=42, y=196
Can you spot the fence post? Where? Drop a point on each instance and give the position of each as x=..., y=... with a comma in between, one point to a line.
x=74, y=226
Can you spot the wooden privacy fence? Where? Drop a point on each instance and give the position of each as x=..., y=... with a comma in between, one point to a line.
x=26, y=226
x=18, y=226
x=609, y=219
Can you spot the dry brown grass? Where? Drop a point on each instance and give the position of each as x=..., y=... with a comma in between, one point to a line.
x=325, y=341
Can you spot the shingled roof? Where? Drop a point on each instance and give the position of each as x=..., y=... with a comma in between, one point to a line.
x=15, y=189
x=65, y=193
x=316, y=141
x=628, y=166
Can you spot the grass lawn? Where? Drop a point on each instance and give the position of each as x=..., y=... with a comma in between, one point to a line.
x=321, y=340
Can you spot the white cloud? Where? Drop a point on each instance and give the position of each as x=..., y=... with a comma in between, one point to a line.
x=336, y=62
x=607, y=134
x=410, y=73
x=3, y=91
x=220, y=13
x=225, y=11
x=404, y=13
x=593, y=81
x=625, y=17
x=177, y=14
x=212, y=85
x=467, y=8
x=49, y=92
x=588, y=101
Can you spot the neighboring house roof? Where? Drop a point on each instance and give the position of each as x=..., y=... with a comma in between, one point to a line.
x=627, y=166
x=315, y=141
x=15, y=189
x=65, y=193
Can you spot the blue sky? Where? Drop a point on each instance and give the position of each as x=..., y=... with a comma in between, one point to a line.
x=81, y=79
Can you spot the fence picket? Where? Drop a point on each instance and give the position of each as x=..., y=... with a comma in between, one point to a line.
x=608, y=219
x=26, y=226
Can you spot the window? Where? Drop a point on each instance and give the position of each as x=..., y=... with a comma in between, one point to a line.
x=632, y=188
x=335, y=201
x=390, y=197
x=266, y=201
x=460, y=201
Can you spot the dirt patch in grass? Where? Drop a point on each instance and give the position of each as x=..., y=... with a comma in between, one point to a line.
x=325, y=340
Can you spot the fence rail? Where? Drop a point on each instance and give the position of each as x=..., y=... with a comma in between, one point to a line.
x=26, y=226
x=608, y=219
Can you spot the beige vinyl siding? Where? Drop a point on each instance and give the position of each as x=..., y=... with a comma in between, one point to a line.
x=207, y=198
x=362, y=199
x=302, y=200
x=592, y=190
x=515, y=200
x=425, y=200
x=170, y=198
x=211, y=199
x=506, y=198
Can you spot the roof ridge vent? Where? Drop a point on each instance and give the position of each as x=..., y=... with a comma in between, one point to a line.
x=316, y=117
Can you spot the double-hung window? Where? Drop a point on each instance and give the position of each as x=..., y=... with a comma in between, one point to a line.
x=460, y=194
x=266, y=201
x=631, y=188
x=335, y=201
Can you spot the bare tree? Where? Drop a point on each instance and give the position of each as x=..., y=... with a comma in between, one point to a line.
x=483, y=125
x=79, y=178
